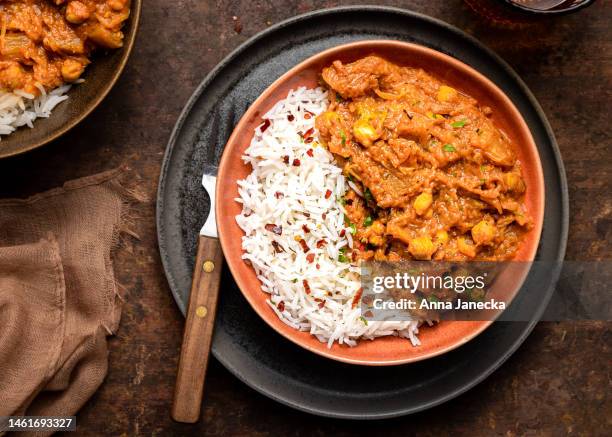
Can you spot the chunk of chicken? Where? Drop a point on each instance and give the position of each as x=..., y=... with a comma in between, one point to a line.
x=77, y=12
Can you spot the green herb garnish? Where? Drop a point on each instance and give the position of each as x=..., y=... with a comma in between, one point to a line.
x=449, y=148
x=368, y=195
x=342, y=257
x=368, y=221
x=342, y=201
x=432, y=298
x=363, y=319
x=353, y=228
x=459, y=123
x=343, y=137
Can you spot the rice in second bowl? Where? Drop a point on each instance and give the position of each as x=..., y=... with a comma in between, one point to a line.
x=295, y=235
x=19, y=108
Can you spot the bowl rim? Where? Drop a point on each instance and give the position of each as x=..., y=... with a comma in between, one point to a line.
x=135, y=12
x=517, y=7
x=253, y=109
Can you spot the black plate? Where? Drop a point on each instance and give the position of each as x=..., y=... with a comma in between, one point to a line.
x=243, y=342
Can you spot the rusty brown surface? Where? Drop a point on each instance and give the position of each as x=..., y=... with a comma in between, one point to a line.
x=559, y=380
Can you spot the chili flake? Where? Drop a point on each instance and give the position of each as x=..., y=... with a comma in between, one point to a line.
x=271, y=227
x=357, y=298
x=265, y=125
x=305, y=247
x=277, y=247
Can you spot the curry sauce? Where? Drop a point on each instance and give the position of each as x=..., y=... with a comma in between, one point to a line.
x=431, y=175
x=50, y=42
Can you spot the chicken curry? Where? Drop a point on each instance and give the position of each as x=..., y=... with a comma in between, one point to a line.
x=50, y=42
x=431, y=175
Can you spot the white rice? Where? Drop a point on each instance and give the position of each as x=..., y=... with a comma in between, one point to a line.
x=19, y=108
x=327, y=310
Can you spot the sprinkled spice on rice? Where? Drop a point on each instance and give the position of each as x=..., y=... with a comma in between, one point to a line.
x=295, y=233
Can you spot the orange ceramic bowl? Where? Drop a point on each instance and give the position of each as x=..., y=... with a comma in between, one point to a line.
x=435, y=340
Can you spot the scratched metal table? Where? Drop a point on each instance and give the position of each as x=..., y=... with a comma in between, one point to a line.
x=558, y=381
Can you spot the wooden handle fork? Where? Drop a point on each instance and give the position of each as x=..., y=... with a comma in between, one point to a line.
x=198, y=334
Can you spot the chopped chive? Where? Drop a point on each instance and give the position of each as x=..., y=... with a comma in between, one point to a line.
x=342, y=201
x=363, y=319
x=342, y=258
x=368, y=221
x=459, y=123
x=353, y=228
x=449, y=148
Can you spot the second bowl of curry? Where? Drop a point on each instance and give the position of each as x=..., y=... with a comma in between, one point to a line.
x=47, y=44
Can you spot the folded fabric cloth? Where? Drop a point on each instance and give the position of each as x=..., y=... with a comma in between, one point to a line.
x=59, y=298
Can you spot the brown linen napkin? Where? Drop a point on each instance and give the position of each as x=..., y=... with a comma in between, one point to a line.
x=58, y=295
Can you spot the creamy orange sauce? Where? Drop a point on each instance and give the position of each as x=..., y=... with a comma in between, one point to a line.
x=438, y=179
